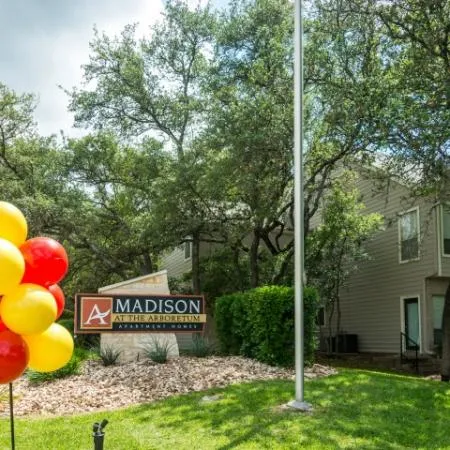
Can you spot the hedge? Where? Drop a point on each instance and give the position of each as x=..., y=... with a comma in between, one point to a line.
x=260, y=324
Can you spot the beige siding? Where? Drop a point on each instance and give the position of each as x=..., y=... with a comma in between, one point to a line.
x=175, y=263
x=371, y=300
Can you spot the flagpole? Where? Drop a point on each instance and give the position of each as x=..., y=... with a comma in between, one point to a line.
x=299, y=402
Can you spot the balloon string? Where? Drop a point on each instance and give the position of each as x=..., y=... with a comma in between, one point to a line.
x=11, y=416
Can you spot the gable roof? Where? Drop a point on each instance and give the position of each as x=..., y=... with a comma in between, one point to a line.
x=141, y=279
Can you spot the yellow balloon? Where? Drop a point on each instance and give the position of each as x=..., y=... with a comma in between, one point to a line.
x=12, y=266
x=49, y=350
x=13, y=226
x=29, y=309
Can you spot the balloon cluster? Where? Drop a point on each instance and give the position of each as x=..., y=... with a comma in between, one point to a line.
x=30, y=299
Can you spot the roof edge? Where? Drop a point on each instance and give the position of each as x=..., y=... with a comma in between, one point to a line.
x=132, y=280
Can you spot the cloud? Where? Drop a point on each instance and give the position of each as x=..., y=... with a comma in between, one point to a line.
x=43, y=44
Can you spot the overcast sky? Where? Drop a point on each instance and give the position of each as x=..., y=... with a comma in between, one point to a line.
x=43, y=43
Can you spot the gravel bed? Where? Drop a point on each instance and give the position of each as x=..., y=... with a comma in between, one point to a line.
x=105, y=388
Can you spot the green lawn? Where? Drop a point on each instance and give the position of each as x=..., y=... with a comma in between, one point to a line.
x=352, y=410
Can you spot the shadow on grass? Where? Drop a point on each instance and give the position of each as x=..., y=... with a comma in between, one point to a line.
x=352, y=410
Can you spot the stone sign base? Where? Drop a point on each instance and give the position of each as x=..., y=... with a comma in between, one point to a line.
x=132, y=345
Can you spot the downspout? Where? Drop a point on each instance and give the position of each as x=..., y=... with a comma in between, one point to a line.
x=438, y=224
x=423, y=321
x=439, y=237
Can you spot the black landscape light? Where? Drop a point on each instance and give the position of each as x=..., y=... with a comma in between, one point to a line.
x=98, y=434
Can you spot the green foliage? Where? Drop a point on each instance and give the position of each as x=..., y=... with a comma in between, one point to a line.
x=337, y=246
x=181, y=285
x=260, y=324
x=67, y=314
x=109, y=355
x=117, y=200
x=222, y=273
x=71, y=368
x=225, y=271
x=230, y=318
x=87, y=341
x=157, y=349
x=414, y=418
x=201, y=347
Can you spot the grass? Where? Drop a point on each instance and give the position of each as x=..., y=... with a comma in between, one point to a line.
x=352, y=410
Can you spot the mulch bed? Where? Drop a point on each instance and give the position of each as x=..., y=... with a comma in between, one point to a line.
x=105, y=388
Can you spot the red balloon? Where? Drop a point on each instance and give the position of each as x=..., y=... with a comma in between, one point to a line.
x=58, y=293
x=13, y=356
x=46, y=261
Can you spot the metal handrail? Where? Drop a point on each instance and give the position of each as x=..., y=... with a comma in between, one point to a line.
x=415, y=346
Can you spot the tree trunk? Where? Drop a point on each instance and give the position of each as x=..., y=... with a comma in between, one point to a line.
x=338, y=323
x=337, y=295
x=445, y=369
x=254, y=265
x=240, y=277
x=147, y=264
x=284, y=266
x=196, y=263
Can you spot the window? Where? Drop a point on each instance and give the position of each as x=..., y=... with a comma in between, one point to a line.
x=438, y=311
x=187, y=249
x=409, y=235
x=446, y=229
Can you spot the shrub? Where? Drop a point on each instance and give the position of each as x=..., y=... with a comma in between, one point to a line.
x=201, y=347
x=67, y=314
x=231, y=326
x=181, y=285
x=109, y=355
x=87, y=341
x=260, y=324
x=88, y=353
x=157, y=350
x=310, y=310
x=228, y=342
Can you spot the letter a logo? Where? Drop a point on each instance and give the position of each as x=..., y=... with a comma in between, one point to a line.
x=96, y=313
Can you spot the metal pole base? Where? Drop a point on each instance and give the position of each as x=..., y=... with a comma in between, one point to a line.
x=300, y=406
